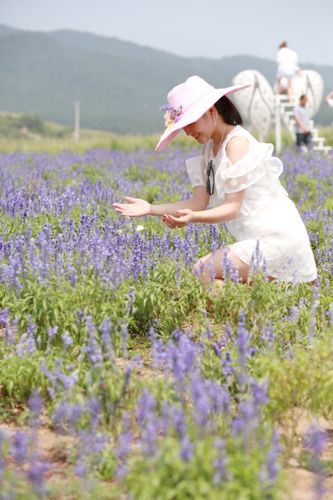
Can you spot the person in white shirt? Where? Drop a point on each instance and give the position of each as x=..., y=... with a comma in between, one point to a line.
x=288, y=67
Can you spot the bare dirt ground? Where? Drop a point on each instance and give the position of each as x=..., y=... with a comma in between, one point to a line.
x=300, y=483
x=50, y=446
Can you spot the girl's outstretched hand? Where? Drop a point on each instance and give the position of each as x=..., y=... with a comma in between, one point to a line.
x=183, y=217
x=134, y=208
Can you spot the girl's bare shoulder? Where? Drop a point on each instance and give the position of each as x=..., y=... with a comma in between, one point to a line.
x=237, y=148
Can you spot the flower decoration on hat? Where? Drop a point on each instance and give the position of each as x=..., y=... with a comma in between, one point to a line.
x=172, y=115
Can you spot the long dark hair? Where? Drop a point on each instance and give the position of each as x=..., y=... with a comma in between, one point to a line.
x=228, y=111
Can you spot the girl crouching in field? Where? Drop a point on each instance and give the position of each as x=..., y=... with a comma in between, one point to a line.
x=238, y=178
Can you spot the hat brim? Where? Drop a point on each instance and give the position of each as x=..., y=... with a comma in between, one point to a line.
x=194, y=113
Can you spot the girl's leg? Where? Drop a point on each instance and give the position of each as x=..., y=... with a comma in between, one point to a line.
x=278, y=86
x=209, y=268
x=290, y=90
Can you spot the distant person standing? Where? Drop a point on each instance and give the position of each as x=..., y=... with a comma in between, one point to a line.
x=287, y=61
x=302, y=119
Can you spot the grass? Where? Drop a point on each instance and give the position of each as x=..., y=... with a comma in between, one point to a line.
x=56, y=137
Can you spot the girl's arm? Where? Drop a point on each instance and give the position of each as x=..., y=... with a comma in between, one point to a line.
x=198, y=201
x=223, y=213
x=137, y=207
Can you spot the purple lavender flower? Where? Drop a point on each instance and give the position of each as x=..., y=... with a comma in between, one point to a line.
x=272, y=462
x=81, y=468
x=258, y=262
x=19, y=447
x=149, y=437
x=227, y=267
x=183, y=356
x=106, y=337
x=68, y=414
x=242, y=340
x=35, y=404
x=228, y=331
x=201, y=401
x=316, y=441
x=124, y=439
x=267, y=334
x=148, y=422
x=52, y=332
x=217, y=348
x=159, y=355
x=166, y=416
x=27, y=343
x=145, y=407
x=131, y=298
x=36, y=475
x=220, y=463
x=247, y=419
x=9, y=330
x=92, y=348
x=135, y=361
x=94, y=408
x=3, y=440
x=219, y=396
x=227, y=364
x=67, y=340
x=179, y=423
x=186, y=448
x=259, y=392
x=122, y=470
x=314, y=308
x=330, y=314
x=124, y=336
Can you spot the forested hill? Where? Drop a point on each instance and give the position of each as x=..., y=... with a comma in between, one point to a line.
x=120, y=85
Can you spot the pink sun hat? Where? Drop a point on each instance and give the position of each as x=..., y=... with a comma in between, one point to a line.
x=187, y=102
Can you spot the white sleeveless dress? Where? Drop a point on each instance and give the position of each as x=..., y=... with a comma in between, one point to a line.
x=269, y=225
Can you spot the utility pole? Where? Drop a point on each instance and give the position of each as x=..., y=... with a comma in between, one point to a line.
x=77, y=122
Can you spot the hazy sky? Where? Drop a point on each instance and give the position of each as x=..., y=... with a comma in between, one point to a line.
x=208, y=28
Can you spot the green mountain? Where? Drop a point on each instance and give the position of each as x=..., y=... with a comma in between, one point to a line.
x=120, y=85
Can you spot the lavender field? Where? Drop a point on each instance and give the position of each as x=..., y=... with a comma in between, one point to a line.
x=116, y=378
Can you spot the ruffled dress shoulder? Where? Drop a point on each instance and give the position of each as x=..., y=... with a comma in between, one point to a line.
x=258, y=164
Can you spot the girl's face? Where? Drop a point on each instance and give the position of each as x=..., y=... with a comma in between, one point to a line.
x=201, y=130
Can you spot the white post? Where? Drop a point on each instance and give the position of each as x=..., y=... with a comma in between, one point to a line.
x=77, y=122
x=277, y=124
